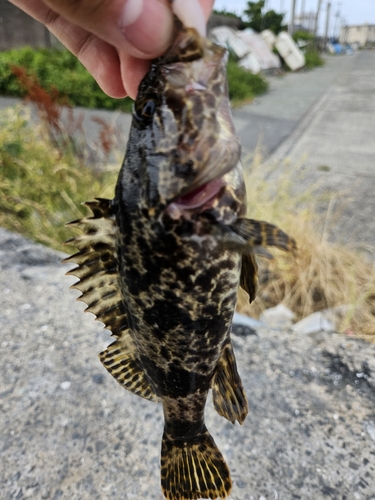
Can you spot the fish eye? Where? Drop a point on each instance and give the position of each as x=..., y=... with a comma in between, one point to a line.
x=144, y=111
x=149, y=108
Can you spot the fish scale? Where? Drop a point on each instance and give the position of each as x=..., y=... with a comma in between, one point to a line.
x=161, y=263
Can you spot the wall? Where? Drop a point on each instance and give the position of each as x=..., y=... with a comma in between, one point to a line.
x=358, y=34
x=17, y=29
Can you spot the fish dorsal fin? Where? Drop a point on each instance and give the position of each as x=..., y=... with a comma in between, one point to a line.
x=249, y=275
x=98, y=266
x=99, y=283
x=227, y=390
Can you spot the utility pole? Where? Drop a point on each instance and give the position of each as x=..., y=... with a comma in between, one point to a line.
x=337, y=17
x=327, y=24
x=317, y=17
x=303, y=12
x=293, y=14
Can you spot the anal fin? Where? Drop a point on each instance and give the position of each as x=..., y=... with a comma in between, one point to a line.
x=121, y=361
x=227, y=391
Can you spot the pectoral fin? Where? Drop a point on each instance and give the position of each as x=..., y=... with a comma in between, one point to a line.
x=227, y=391
x=249, y=275
x=246, y=234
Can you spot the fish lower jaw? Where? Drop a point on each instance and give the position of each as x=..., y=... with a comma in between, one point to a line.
x=196, y=201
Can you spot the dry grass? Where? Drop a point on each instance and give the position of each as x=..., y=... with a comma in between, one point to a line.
x=43, y=185
x=325, y=274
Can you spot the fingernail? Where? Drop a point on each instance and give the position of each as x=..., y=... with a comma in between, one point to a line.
x=131, y=12
x=147, y=26
x=190, y=14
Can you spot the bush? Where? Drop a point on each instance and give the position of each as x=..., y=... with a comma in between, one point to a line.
x=58, y=70
x=244, y=85
x=304, y=36
x=313, y=59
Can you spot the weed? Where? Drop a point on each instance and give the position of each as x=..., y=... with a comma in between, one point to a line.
x=313, y=59
x=41, y=186
x=55, y=70
x=324, y=275
x=242, y=84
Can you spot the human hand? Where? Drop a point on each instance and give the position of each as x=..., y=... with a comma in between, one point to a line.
x=116, y=39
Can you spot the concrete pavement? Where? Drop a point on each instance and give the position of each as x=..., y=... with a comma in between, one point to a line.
x=272, y=117
x=70, y=432
x=335, y=144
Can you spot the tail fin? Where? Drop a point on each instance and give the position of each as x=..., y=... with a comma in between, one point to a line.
x=193, y=469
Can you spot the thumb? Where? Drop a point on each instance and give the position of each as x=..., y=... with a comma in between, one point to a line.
x=143, y=28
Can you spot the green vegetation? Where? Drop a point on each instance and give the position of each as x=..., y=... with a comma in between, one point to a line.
x=25, y=71
x=313, y=59
x=227, y=13
x=43, y=186
x=259, y=20
x=312, y=56
x=244, y=85
x=57, y=71
x=304, y=36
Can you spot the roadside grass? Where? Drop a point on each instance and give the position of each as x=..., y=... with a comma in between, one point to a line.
x=243, y=85
x=43, y=183
x=60, y=73
x=324, y=274
x=312, y=55
x=313, y=59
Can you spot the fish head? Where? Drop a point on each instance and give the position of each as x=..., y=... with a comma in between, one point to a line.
x=182, y=141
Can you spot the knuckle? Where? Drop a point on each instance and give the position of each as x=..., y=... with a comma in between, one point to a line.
x=84, y=45
x=50, y=18
x=80, y=9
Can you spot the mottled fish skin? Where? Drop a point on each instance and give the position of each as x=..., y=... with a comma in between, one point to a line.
x=179, y=285
x=161, y=263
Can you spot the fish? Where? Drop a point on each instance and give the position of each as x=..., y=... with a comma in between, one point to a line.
x=160, y=264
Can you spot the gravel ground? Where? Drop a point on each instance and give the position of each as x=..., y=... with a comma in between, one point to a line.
x=69, y=431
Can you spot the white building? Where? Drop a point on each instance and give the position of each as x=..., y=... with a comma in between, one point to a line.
x=362, y=34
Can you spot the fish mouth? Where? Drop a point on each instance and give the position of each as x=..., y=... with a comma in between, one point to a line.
x=196, y=201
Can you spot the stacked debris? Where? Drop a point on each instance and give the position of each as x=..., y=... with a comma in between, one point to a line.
x=255, y=52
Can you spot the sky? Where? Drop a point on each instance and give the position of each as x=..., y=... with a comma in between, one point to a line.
x=350, y=11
